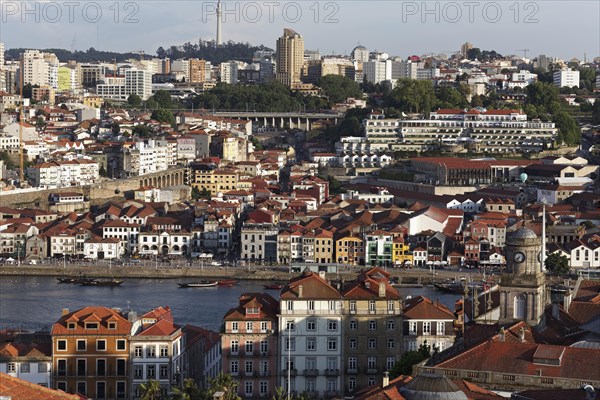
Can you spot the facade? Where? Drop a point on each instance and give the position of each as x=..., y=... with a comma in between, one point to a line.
x=229, y=72
x=39, y=68
x=64, y=173
x=32, y=363
x=372, y=329
x=566, y=77
x=90, y=353
x=138, y=82
x=290, y=58
x=378, y=248
x=426, y=322
x=249, y=345
x=259, y=242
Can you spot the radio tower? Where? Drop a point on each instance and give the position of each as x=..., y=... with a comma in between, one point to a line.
x=219, y=38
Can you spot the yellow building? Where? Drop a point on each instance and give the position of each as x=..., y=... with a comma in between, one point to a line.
x=215, y=181
x=401, y=253
x=93, y=101
x=323, y=247
x=350, y=250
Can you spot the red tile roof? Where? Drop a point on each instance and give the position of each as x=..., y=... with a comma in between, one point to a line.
x=18, y=389
x=421, y=307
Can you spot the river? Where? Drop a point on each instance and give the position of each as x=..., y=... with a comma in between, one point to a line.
x=35, y=302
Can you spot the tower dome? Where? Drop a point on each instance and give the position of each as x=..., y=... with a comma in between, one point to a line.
x=431, y=387
x=525, y=233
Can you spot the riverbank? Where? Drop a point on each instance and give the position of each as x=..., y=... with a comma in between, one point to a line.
x=408, y=277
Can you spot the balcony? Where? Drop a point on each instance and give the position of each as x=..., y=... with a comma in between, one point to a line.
x=311, y=372
x=352, y=370
x=373, y=370
x=292, y=372
x=332, y=372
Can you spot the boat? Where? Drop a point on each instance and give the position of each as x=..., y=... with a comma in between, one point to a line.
x=199, y=284
x=227, y=282
x=77, y=280
x=102, y=282
x=274, y=286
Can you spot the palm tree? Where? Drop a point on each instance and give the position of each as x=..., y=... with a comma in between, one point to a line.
x=189, y=391
x=226, y=384
x=150, y=390
x=280, y=394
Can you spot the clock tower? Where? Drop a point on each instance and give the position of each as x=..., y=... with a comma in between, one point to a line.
x=523, y=285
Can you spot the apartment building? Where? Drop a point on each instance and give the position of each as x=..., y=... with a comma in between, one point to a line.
x=39, y=68
x=379, y=248
x=26, y=360
x=372, y=327
x=126, y=232
x=249, y=345
x=290, y=58
x=259, y=242
x=350, y=249
x=90, y=353
x=427, y=322
x=310, y=350
x=208, y=178
x=566, y=78
x=64, y=173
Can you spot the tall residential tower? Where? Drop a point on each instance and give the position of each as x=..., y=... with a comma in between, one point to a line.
x=290, y=57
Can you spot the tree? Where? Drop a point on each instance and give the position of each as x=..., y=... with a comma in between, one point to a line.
x=151, y=391
x=141, y=131
x=280, y=394
x=557, y=264
x=338, y=88
x=189, y=391
x=226, y=384
x=568, y=130
x=588, y=224
x=134, y=100
x=102, y=172
x=350, y=127
x=408, y=359
x=116, y=128
x=412, y=95
x=596, y=112
x=335, y=186
x=162, y=115
x=196, y=193
x=163, y=99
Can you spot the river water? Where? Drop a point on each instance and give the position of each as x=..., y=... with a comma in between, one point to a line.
x=36, y=302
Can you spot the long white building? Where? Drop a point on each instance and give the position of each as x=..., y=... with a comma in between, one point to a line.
x=39, y=68
x=64, y=173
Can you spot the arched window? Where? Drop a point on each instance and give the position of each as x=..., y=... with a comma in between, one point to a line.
x=520, y=306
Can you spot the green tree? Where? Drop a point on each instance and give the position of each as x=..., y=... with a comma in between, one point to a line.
x=408, y=359
x=280, y=394
x=335, y=186
x=588, y=224
x=196, y=193
x=350, y=127
x=412, y=95
x=162, y=115
x=596, y=112
x=189, y=391
x=256, y=143
x=141, y=131
x=134, y=100
x=338, y=88
x=116, y=128
x=151, y=104
x=226, y=384
x=557, y=264
x=163, y=99
x=568, y=130
x=102, y=171
x=151, y=391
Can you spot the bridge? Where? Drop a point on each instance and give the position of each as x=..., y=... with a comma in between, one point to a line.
x=298, y=120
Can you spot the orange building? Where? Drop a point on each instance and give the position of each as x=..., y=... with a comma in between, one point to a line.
x=90, y=353
x=350, y=250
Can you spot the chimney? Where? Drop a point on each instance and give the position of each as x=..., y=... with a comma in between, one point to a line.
x=65, y=311
x=556, y=311
x=300, y=291
x=522, y=334
x=322, y=274
x=131, y=316
x=381, y=289
x=502, y=334
x=386, y=378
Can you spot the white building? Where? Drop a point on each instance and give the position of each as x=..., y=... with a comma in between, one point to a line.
x=582, y=255
x=102, y=249
x=127, y=233
x=64, y=173
x=360, y=53
x=229, y=72
x=566, y=77
x=310, y=350
x=139, y=82
x=2, y=79
x=26, y=362
x=39, y=68
x=259, y=242
x=378, y=71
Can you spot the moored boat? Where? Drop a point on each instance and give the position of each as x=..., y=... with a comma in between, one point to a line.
x=77, y=280
x=228, y=282
x=274, y=286
x=102, y=282
x=199, y=284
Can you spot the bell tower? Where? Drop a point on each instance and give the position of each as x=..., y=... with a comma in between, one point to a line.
x=523, y=285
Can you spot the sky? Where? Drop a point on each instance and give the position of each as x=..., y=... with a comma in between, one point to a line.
x=563, y=29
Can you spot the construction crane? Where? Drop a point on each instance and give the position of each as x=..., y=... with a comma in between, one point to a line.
x=525, y=51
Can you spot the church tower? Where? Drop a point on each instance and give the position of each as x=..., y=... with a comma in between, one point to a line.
x=523, y=285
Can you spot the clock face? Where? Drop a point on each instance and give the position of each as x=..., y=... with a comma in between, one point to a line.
x=519, y=257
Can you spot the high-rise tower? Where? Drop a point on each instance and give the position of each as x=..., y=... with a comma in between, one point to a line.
x=290, y=57
x=219, y=13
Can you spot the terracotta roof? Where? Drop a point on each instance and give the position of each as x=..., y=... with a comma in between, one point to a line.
x=18, y=389
x=421, y=307
x=160, y=328
x=92, y=314
x=268, y=306
x=313, y=287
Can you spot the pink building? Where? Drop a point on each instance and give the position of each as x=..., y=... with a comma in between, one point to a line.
x=249, y=345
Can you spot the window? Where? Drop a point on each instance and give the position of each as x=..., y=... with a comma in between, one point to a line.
x=352, y=363
x=426, y=328
x=249, y=327
x=101, y=367
x=331, y=325
x=372, y=343
x=440, y=328
x=390, y=362
x=332, y=363
x=81, y=344
x=234, y=327
x=311, y=344
x=264, y=326
x=370, y=381
x=81, y=388
x=249, y=367
x=332, y=344
x=412, y=346
x=42, y=367
x=264, y=347
x=290, y=305
x=412, y=328
x=290, y=325
x=390, y=306
x=137, y=351
x=353, y=325
x=81, y=367
x=290, y=363
x=352, y=384
x=71, y=325
x=263, y=387
x=234, y=367
x=311, y=325
x=311, y=305
x=310, y=385
x=163, y=372
x=163, y=350
x=121, y=345
x=100, y=345
x=91, y=325
x=332, y=305
x=352, y=306
x=62, y=368
x=372, y=325
x=150, y=352
x=290, y=344
x=150, y=371
x=331, y=384
x=121, y=370
x=235, y=347
x=371, y=306
x=391, y=324
x=390, y=343
x=249, y=347
x=138, y=371
x=61, y=386
x=100, y=390
x=25, y=368
x=352, y=343
x=112, y=325
x=61, y=345
x=121, y=394
x=248, y=386
x=372, y=362
x=311, y=363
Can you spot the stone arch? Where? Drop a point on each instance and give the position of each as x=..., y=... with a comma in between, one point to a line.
x=169, y=180
x=141, y=182
x=155, y=182
x=520, y=306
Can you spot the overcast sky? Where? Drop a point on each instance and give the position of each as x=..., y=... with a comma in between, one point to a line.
x=564, y=29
